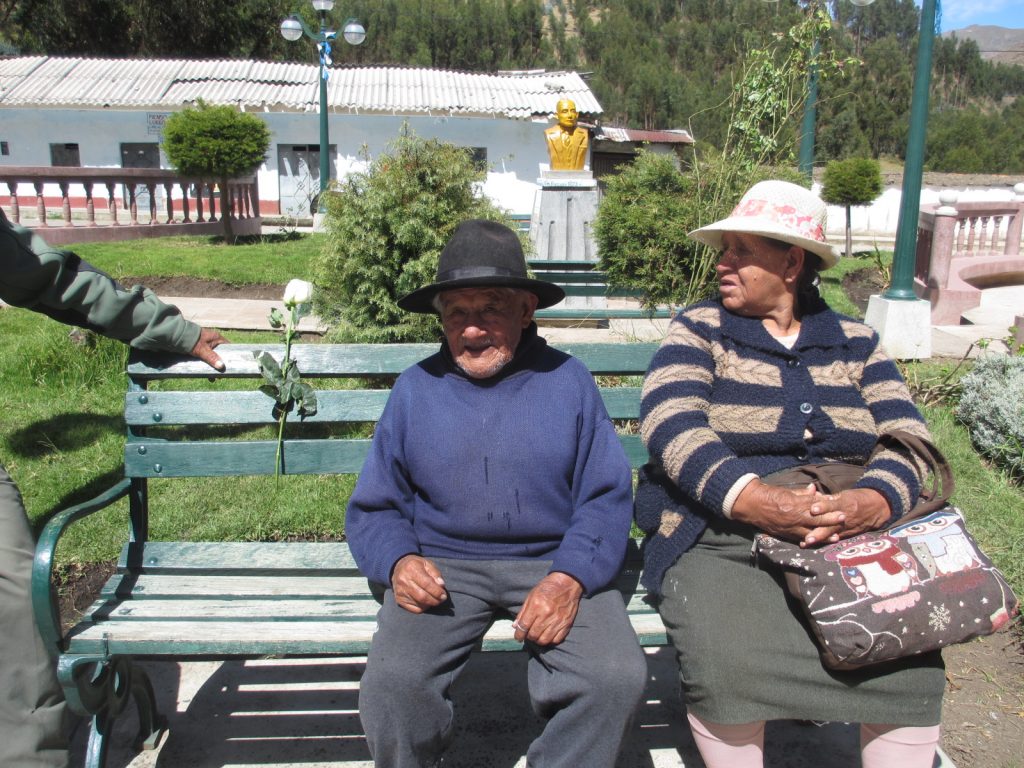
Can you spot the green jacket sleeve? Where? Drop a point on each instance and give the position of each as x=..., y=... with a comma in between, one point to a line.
x=61, y=285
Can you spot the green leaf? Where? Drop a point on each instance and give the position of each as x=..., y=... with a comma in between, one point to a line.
x=276, y=318
x=269, y=367
x=307, y=400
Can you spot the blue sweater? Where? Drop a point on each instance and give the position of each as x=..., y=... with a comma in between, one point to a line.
x=523, y=465
x=723, y=399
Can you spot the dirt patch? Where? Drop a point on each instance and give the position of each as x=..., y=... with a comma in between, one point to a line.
x=860, y=285
x=983, y=709
x=205, y=289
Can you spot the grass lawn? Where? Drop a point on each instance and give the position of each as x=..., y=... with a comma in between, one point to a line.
x=269, y=259
x=61, y=436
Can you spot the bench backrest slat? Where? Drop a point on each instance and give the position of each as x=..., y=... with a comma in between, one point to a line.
x=162, y=458
x=148, y=409
x=361, y=360
x=204, y=430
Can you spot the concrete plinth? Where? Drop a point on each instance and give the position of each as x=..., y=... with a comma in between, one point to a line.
x=561, y=225
x=563, y=213
x=905, y=326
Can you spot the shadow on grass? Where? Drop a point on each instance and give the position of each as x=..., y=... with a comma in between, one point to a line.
x=93, y=488
x=62, y=432
x=284, y=236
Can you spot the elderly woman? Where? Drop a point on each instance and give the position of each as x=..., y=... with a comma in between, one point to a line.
x=763, y=378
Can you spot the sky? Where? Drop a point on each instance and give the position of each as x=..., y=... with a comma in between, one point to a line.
x=957, y=14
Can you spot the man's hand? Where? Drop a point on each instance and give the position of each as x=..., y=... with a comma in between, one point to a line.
x=204, y=348
x=549, y=611
x=417, y=584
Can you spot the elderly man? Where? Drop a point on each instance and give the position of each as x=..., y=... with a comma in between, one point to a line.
x=495, y=487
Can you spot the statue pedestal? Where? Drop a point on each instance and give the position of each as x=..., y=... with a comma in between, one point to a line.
x=560, y=227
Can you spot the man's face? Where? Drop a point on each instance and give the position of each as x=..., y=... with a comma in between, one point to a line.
x=567, y=115
x=483, y=326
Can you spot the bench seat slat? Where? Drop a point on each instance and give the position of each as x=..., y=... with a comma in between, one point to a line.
x=205, y=557
x=272, y=638
x=165, y=585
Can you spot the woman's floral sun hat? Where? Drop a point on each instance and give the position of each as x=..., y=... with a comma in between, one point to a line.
x=779, y=210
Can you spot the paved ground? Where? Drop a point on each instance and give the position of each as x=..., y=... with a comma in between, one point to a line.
x=287, y=714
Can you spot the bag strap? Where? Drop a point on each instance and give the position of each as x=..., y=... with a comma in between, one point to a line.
x=942, y=485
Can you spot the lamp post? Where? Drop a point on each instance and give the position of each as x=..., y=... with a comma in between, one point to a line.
x=902, y=320
x=805, y=159
x=902, y=286
x=292, y=29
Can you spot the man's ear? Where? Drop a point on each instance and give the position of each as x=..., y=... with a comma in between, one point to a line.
x=530, y=301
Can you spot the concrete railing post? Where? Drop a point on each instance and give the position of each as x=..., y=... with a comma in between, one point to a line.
x=1016, y=225
x=942, y=240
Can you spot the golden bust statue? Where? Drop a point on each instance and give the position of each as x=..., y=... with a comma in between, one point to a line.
x=567, y=143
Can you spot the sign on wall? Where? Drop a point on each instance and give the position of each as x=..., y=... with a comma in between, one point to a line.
x=155, y=123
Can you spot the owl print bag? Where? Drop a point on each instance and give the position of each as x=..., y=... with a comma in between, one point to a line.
x=921, y=584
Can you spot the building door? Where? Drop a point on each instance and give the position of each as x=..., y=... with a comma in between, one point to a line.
x=141, y=155
x=298, y=177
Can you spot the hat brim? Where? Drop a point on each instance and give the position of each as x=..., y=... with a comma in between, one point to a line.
x=422, y=299
x=747, y=225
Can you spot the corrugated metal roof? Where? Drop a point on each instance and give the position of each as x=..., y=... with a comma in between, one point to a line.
x=42, y=81
x=677, y=136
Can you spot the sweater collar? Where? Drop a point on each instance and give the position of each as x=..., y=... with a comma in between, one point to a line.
x=819, y=327
x=530, y=345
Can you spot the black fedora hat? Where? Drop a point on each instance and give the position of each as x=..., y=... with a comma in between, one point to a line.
x=481, y=254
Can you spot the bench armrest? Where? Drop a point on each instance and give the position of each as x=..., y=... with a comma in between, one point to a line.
x=45, y=608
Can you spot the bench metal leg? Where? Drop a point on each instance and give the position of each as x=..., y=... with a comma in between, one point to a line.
x=100, y=688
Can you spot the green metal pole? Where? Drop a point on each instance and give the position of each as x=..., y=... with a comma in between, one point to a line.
x=902, y=286
x=325, y=143
x=806, y=159
x=325, y=160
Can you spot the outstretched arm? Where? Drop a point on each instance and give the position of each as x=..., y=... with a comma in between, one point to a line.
x=61, y=285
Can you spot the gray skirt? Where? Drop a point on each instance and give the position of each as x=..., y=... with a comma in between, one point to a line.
x=746, y=653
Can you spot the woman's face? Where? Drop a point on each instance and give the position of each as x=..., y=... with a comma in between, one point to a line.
x=755, y=275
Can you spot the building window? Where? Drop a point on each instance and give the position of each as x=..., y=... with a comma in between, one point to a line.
x=65, y=155
x=4, y=148
x=478, y=156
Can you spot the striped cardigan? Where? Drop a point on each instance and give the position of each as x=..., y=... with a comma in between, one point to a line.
x=723, y=398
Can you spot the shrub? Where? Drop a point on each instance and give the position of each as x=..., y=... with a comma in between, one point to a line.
x=385, y=230
x=992, y=408
x=647, y=210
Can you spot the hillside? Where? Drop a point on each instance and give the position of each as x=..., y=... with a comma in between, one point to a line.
x=998, y=44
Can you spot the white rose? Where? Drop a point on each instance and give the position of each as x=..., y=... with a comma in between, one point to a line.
x=297, y=292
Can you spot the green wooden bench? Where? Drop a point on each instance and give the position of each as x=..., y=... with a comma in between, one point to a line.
x=584, y=278
x=191, y=600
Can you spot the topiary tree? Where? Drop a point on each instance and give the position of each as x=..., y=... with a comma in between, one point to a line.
x=385, y=230
x=855, y=181
x=216, y=142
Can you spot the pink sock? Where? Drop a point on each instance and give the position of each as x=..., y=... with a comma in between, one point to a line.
x=729, y=746
x=894, y=746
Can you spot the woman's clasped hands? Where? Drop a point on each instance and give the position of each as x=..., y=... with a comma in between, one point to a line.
x=809, y=516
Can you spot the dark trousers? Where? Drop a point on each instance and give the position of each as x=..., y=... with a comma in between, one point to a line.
x=31, y=701
x=587, y=687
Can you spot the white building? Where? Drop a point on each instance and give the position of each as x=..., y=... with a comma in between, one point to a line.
x=110, y=113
